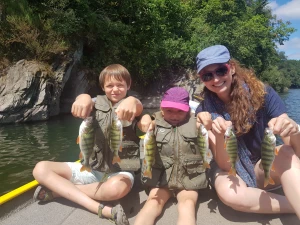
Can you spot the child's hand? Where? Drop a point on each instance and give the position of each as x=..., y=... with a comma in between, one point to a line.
x=129, y=108
x=83, y=106
x=205, y=119
x=144, y=123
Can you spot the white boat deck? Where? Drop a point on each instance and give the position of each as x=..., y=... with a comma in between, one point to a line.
x=210, y=210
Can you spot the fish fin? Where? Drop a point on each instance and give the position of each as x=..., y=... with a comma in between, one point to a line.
x=273, y=167
x=232, y=172
x=268, y=181
x=85, y=168
x=80, y=155
x=224, y=145
x=206, y=165
x=148, y=174
x=208, y=154
x=276, y=151
x=120, y=148
x=116, y=159
x=78, y=140
x=145, y=162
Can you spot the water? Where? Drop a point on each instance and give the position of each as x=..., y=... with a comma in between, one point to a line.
x=23, y=145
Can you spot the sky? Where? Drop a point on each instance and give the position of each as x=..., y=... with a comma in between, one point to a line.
x=289, y=10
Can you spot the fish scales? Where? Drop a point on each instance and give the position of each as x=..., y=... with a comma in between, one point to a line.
x=86, y=139
x=150, y=148
x=202, y=142
x=231, y=147
x=116, y=136
x=268, y=152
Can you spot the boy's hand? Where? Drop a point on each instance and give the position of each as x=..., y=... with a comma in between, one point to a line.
x=129, y=108
x=83, y=106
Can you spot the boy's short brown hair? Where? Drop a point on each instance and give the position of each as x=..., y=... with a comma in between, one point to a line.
x=116, y=71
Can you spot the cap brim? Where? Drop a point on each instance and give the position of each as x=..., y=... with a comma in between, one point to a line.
x=213, y=61
x=175, y=105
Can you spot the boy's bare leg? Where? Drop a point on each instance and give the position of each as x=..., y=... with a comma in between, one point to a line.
x=153, y=207
x=186, y=207
x=56, y=177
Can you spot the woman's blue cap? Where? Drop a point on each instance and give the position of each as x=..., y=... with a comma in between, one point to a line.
x=211, y=55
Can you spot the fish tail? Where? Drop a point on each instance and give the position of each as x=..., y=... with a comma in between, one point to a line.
x=206, y=165
x=232, y=171
x=268, y=180
x=116, y=159
x=148, y=173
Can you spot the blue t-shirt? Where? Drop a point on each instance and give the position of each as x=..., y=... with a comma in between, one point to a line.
x=273, y=107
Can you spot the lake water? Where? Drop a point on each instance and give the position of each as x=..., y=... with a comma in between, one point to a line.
x=23, y=145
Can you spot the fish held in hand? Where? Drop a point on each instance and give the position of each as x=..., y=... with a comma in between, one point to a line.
x=268, y=152
x=116, y=136
x=202, y=142
x=86, y=139
x=231, y=146
x=150, y=149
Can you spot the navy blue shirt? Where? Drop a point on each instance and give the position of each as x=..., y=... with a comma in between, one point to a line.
x=273, y=107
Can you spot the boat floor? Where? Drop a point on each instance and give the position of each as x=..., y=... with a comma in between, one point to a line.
x=210, y=210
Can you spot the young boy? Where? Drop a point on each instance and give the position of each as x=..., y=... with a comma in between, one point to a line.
x=60, y=179
x=177, y=170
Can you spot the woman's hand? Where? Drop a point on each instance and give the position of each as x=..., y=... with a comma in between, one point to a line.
x=219, y=126
x=83, y=106
x=283, y=126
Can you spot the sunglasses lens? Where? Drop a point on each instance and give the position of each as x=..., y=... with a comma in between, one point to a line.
x=221, y=71
x=207, y=77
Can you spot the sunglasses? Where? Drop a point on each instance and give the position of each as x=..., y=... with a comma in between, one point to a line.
x=220, y=72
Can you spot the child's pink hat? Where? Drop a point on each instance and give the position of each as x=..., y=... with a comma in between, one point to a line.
x=177, y=98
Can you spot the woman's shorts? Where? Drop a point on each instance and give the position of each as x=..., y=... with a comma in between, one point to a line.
x=94, y=176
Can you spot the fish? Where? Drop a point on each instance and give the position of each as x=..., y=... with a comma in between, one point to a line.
x=150, y=148
x=202, y=142
x=115, y=137
x=86, y=139
x=231, y=146
x=268, y=152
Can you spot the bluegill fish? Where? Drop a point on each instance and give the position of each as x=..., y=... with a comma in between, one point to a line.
x=150, y=149
x=231, y=147
x=115, y=137
x=268, y=152
x=202, y=142
x=86, y=141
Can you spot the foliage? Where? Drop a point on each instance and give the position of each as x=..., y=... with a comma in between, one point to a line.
x=154, y=39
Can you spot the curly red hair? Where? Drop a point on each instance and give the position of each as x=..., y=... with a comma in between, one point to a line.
x=247, y=100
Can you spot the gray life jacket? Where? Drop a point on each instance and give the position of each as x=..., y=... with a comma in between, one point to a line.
x=178, y=163
x=102, y=156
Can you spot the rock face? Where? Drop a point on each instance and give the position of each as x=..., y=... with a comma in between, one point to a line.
x=31, y=91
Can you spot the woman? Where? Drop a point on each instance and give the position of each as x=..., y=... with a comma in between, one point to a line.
x=234, y=96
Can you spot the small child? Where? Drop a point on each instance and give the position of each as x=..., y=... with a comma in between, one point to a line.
x=116, y=179
x=177, y=170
